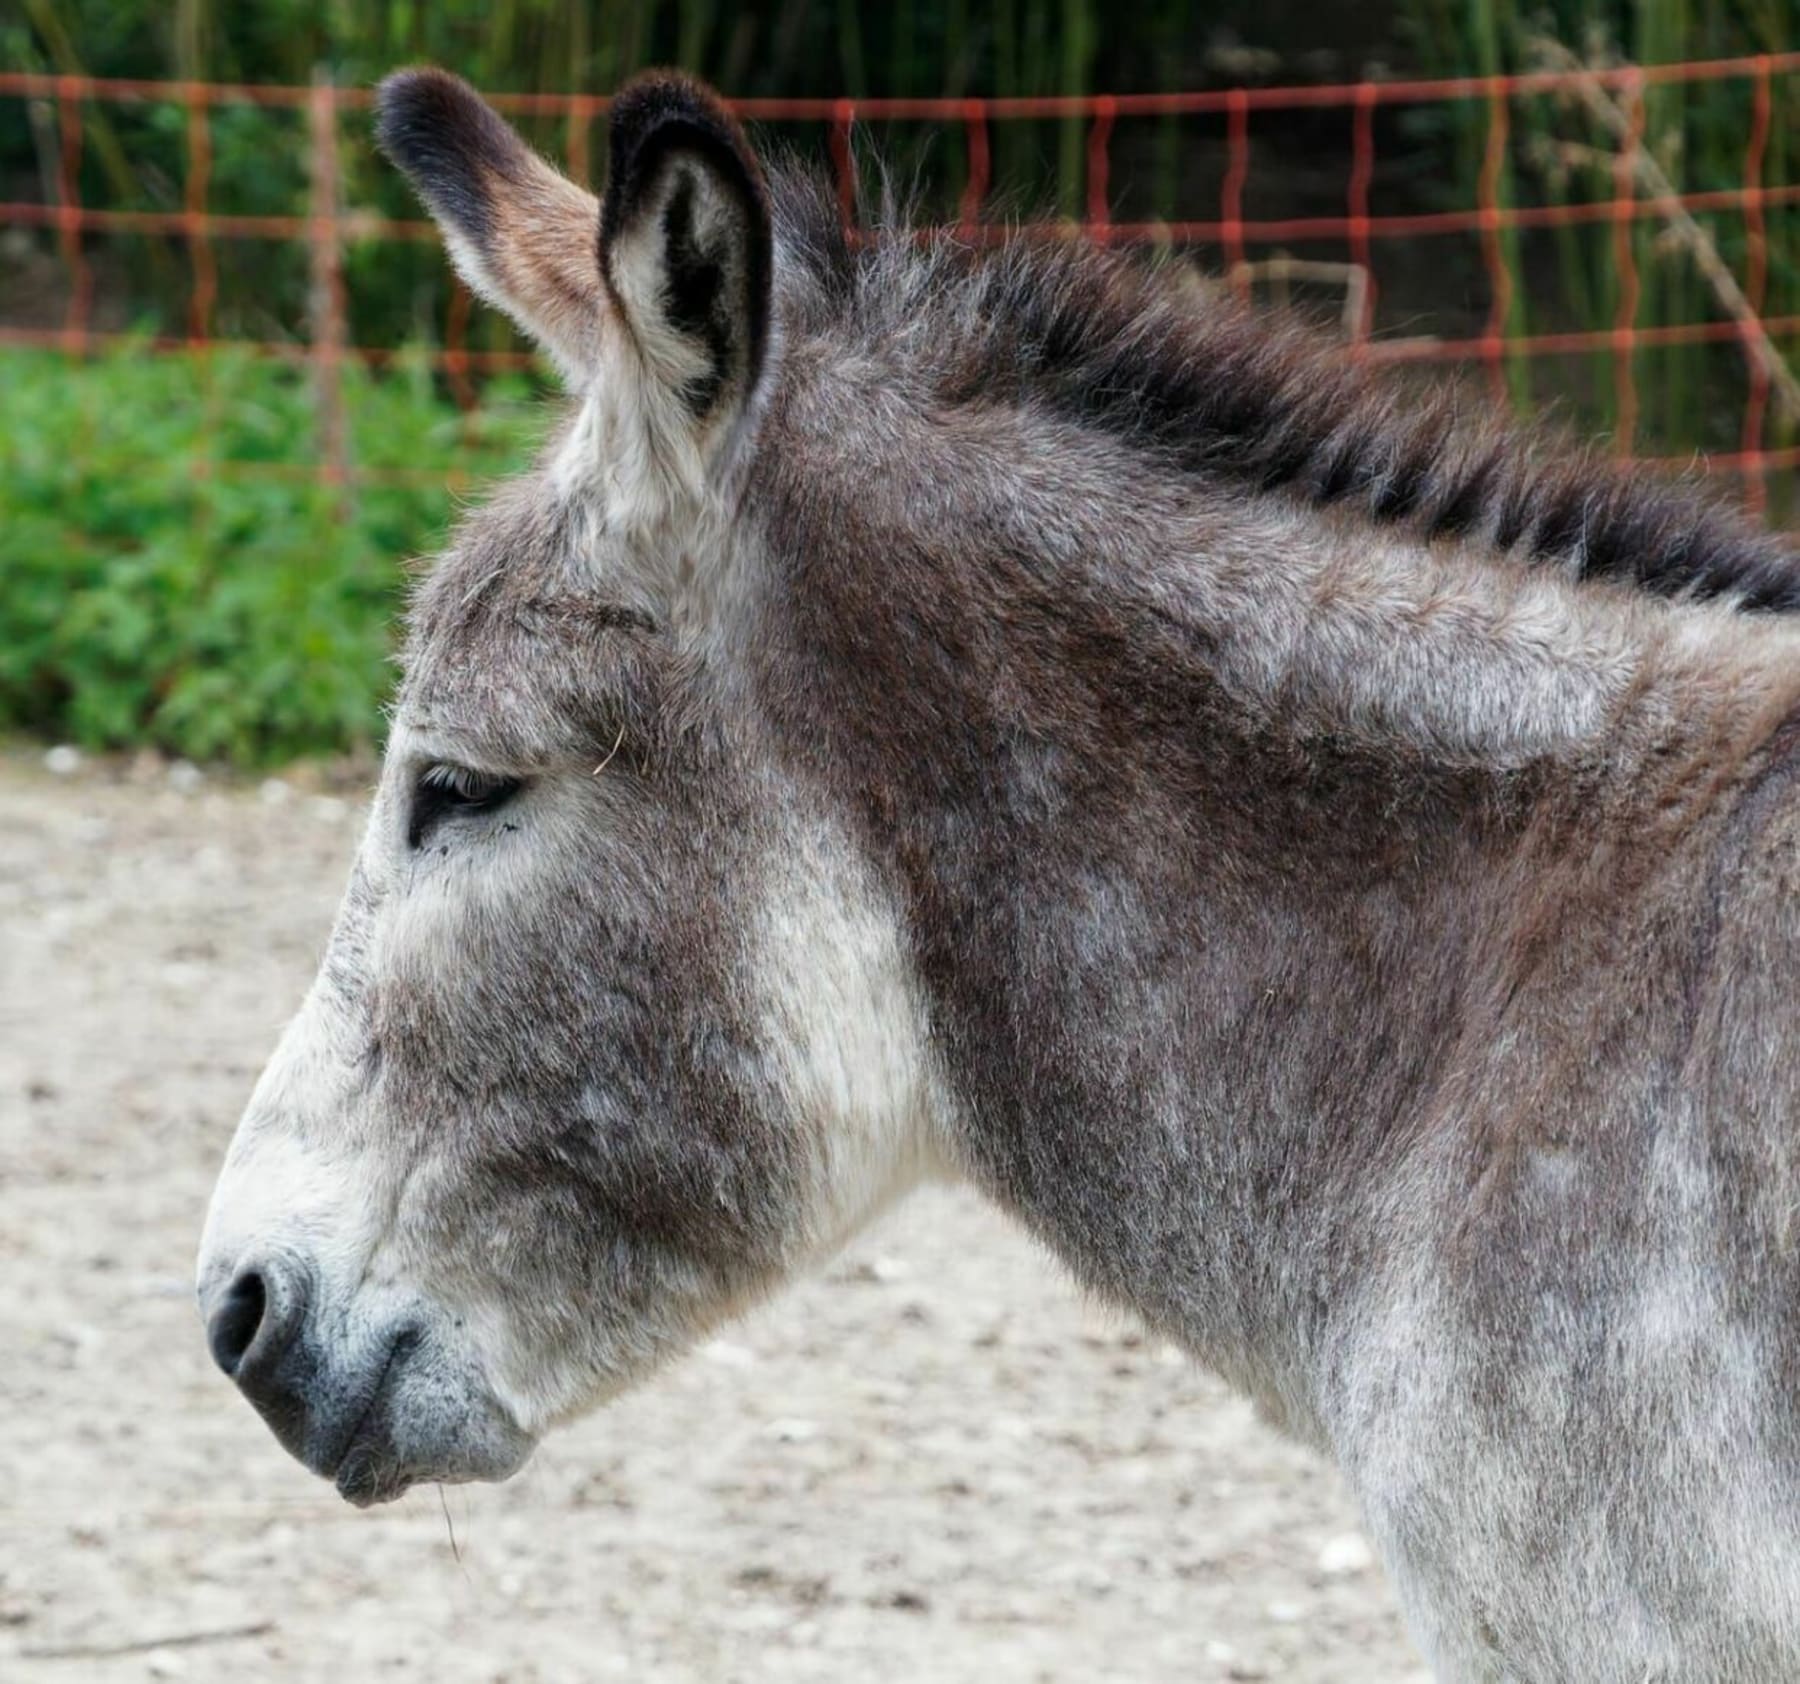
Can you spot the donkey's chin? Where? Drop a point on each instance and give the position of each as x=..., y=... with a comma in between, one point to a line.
x=379, y=1468
x=426, y=1424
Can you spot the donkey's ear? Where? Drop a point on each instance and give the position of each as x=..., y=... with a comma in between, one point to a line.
x=684, y=244
x=519, y=233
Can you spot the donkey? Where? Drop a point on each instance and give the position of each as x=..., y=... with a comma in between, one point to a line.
x=1328, y=868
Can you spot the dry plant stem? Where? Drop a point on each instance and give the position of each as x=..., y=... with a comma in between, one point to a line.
x=1661, y=191
x=139, y=1645
x=610, y=753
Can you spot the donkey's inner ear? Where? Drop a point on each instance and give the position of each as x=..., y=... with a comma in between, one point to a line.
x=684, y=243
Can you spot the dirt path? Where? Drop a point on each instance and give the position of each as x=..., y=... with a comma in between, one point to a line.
x=933, y=1464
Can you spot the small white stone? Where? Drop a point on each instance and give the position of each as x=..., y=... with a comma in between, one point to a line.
x=1285, y=1613
x=185, y=777
x=728, y=1355
x=875, y=1271
x=1346, y=1554
x=1219, y=1651
x=274, y=791
x=792, y=1430
x=62, y=760
x=165, y=1663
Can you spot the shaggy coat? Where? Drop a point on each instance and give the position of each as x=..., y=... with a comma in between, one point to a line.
x=1326, y=866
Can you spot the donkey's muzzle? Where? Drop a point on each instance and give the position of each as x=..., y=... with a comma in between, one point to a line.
x=255, y=1330
x=247, y=1319
x=318, y=1405
x=370, y=1401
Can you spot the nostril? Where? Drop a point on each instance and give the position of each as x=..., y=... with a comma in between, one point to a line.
x=234, y=1324
x=256, y=1330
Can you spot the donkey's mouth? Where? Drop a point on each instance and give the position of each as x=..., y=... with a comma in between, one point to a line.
x=364, y=1468
x=418, y=1428
x=424, y=1420
x=375, y=1411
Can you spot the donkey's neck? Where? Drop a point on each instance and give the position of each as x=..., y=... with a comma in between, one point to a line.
x=1213, y=819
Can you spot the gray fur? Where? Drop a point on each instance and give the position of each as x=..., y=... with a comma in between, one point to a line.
x=1362, y=942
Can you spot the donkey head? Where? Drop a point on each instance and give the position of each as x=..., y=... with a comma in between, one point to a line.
x=616, y=1028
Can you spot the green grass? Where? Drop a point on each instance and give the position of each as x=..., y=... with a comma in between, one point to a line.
x=156, y=589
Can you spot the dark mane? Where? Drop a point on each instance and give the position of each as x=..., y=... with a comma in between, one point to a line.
x=1227, y=392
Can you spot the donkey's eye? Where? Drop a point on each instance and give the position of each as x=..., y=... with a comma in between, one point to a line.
x=444, y=790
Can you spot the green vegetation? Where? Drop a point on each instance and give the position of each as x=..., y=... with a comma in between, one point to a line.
x=173, y=572
x=152, y=592
x=1691, y=396
x=134, y=156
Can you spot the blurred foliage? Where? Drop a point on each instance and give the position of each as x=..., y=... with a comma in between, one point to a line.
x=152, y=594
x=135, y=155
x=1690, y=396
x=152, y=590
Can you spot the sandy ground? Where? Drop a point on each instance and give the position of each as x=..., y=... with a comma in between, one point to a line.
x=934, y=1463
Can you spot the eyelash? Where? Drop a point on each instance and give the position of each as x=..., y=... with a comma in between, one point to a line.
x=444, y=790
